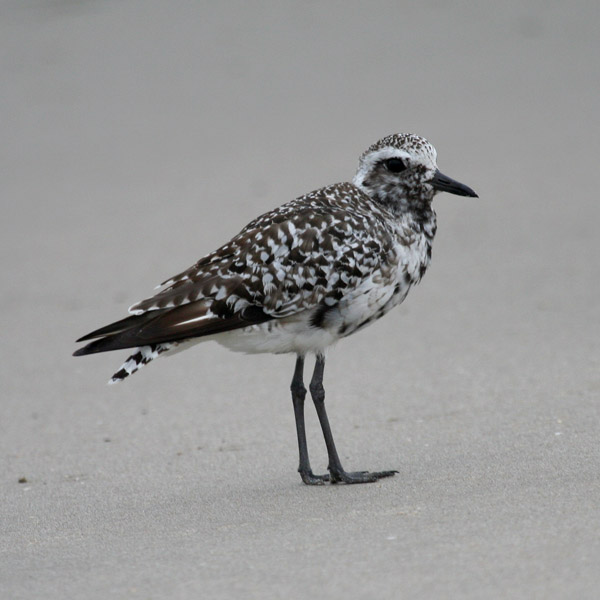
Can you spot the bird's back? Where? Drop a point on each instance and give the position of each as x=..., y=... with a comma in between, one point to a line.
x=312, y=250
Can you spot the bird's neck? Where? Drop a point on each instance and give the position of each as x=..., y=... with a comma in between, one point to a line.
x=400, y=201
x=416, y=207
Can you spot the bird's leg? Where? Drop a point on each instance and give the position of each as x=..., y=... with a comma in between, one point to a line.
x=317, y=391
x=298, y=395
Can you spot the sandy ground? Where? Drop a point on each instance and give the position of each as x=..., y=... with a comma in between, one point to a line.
x=137, y=136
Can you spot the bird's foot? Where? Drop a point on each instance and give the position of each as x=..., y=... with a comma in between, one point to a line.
x=309, y=478
x=341, y=476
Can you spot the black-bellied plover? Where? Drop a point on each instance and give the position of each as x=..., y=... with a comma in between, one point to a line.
x=301, y=277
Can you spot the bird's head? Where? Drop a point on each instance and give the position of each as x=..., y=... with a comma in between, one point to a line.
x=400, y=171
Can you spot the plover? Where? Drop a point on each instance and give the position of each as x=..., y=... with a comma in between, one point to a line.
x=300, y=278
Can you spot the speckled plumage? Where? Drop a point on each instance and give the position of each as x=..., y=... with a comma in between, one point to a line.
x=301, y=277
x=333, y=257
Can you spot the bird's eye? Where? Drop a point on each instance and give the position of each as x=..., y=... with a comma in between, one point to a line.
x=395, y=165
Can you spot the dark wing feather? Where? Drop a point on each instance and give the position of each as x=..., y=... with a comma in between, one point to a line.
x=122, y=325
x=171, y=325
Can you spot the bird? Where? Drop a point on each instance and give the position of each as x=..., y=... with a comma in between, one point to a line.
x=300, y=278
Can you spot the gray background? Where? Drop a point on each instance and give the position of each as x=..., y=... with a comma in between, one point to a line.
x=139, y=135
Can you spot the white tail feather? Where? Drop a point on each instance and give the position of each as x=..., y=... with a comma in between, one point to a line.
x=136, y=361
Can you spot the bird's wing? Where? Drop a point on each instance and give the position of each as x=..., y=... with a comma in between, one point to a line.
x=308, y=252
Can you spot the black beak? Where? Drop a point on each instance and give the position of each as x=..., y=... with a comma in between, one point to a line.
x=444, y=184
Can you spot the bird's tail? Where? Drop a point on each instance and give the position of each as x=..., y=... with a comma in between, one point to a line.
x=136, y=361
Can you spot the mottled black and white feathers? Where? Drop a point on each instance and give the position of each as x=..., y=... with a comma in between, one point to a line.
x=304, y=275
